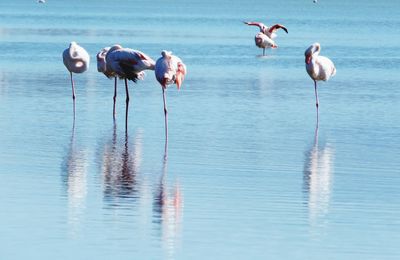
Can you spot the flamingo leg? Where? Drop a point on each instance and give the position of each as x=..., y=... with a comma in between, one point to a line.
x=73, y=94
x=73, y=87
x=263, y=51
x=127, y=91
x=316, y=97
x=127, y=104
x=165, y=115
x=115, y=96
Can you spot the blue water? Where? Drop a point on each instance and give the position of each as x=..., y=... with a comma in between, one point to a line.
x=247, y=175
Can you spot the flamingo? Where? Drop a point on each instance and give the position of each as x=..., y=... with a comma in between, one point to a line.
x=318, y=67
x=169, y=70
x=102, y=67
x=76, y=60
x=264, y=39
x=128, y=64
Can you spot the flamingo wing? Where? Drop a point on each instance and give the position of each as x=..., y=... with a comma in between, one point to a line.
x=121, y=62
x=260, y=25
x=144, y=62
x=275, y=27
x=128, y=69
x=142, y=56
x=327, y=68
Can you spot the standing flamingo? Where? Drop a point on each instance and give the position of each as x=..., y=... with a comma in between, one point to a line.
x=264, y=39
x=318, y=67
x=102, y=67
x=76, y=60
x=169, y=70
x=128, y=64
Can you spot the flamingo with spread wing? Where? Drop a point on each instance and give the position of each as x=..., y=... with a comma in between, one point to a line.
x=265, y=38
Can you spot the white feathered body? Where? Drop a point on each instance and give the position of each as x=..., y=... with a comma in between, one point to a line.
x=128, y=63
x=170, y=70
x=320, y=68
x=75, y=58
x=263, y=41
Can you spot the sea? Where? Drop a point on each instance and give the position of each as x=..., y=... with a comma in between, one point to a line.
x=246, y=172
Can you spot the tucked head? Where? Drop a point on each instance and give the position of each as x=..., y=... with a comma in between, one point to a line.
x=102, y=53
x=101, y=59
x=114, y=47
x=166, y=54
x=314, y=48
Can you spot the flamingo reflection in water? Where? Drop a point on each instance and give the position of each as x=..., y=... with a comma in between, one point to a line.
x=120, y=165
x=318, y=177
x=167, y=209
x=74, y=173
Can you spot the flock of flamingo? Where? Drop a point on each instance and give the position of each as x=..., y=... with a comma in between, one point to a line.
x=128, y=64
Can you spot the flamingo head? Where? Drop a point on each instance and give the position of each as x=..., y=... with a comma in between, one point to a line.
x=313, y=49
x=101, y=59
x=264, y=29
x=115, y=47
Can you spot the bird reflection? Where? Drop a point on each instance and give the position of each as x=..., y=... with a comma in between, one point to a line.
x=74, y=169
x=167, y=210
x=318, y=176
x=120, y=166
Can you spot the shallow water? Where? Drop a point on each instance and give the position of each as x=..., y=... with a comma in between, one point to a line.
x=247, y=175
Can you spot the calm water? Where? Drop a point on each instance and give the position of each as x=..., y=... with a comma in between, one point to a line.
x=247, y=175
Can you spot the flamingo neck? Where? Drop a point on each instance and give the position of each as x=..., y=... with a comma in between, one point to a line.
x=264, y=30
x=313, y=57
x=309, y=59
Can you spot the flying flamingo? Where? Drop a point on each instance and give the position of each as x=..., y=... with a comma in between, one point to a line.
x=265, y=38
x=128, y=64
x=169, y=70
x=318, y=67
x=102, y=67
x=76, y=60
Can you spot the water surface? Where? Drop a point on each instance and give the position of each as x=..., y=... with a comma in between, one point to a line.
x=247, y=175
